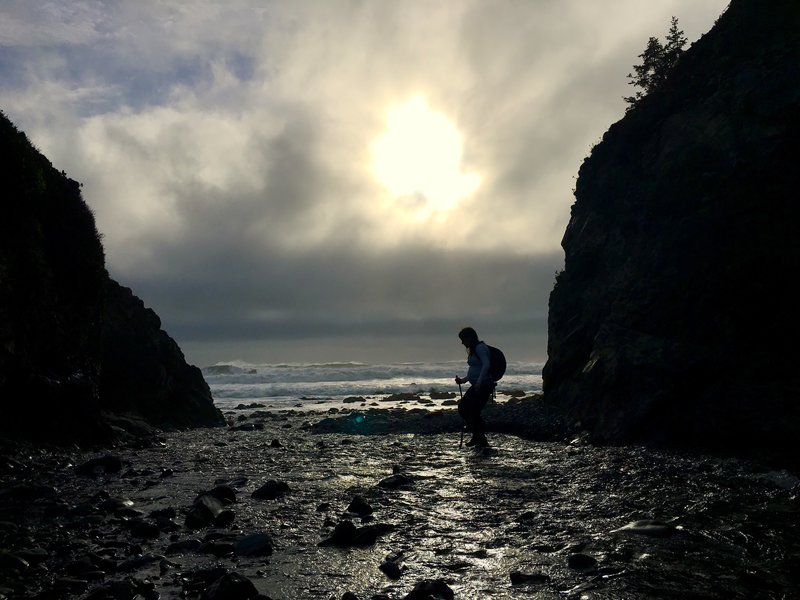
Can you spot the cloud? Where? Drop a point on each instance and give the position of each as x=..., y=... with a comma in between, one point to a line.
x=225, y=149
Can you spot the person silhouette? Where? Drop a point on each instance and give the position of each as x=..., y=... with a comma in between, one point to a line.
x=480, y=389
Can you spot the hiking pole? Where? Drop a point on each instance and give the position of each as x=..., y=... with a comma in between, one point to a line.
x=464, y=426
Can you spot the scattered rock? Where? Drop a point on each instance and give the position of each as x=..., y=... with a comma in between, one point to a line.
x=230, y=586
x=256, y=544
x=12, y=562
x=346, y=534
x=391, y=569
x=271, y=490
x=395, y=481
x=430, y=589
x=204, y=511
x=224, y=493
x=359, y=506
x=190, y=545
x=581, y=562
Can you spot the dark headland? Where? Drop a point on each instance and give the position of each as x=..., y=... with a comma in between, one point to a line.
x=675, y=319
x=658, y=463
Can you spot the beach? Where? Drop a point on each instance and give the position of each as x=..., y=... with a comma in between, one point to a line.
x=367, y=502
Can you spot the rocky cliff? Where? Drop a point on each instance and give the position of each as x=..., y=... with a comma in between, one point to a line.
x=75, y=347
x=675, y=318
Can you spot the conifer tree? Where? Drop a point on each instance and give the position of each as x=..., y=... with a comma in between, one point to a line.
x=658, y=60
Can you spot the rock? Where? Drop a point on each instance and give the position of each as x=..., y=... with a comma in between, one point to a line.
x=519, y=578
x=224, y=493
x=349, y=596
x=256, y=544
x=137, y=562
x=346, y=534
x=275, y=444
x=190, y=545
x=649, y=528
x=218, y=548
x=431, y=589
x=225, y=518
x=99, y=466
x=391, y=569
x=73, y=586
x=581, y=562
x=442, y=395
x=231, y=586
x=359, y=506
x=33, y=556
x=143, y=529
x=271, y=490
x=164, y=513
x=204, y=511
x=12, y=562
x=112, y=505
x=395, y=481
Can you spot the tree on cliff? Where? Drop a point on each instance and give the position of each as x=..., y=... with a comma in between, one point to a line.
x=657, y=61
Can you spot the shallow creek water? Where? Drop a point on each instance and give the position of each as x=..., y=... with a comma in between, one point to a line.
x=726, y=528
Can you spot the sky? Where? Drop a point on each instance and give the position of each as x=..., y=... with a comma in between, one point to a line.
x=330, y=180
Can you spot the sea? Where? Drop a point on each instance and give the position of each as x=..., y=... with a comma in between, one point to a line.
x=237, y=384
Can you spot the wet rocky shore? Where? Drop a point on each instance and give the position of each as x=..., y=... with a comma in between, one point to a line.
x=375, y=503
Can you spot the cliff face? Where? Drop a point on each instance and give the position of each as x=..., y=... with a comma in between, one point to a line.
x=71, y=341
x=675, y=320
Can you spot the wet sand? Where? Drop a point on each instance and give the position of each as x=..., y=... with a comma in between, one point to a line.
x=547, y=519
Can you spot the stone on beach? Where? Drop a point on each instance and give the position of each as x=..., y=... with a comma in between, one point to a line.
x=204, y=511
x=256, y=544
x=231, y=586
x=395, y=481
x=271, y=490
x=359, y=506
x=346, y=534
x=430, y=589
x=581, y=562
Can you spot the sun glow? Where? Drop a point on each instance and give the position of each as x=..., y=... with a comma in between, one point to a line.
x=418, y=159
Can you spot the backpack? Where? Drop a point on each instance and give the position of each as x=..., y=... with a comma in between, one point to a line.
x=497, y=363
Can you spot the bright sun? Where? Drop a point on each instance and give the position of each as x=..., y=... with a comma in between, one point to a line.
x=418, y=159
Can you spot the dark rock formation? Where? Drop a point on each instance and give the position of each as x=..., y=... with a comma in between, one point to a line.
x=74, y=345
x=674, y=320
x=143, y=369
